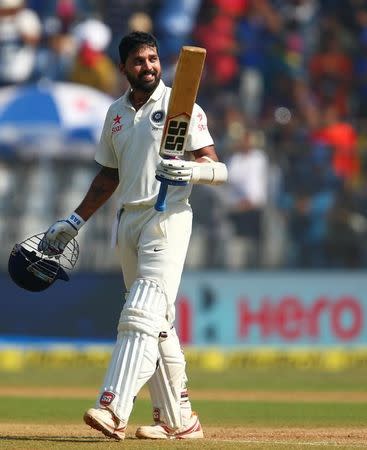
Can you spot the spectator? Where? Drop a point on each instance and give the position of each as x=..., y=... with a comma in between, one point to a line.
x=360, y=71
x=217, y=34
x=308, y=198
x=303, y=17
x=140, y=21
x=57, y=53
x=116, y=15
x=174, y=25
x=234, y=8
x=342, y=138
x=331, y=71
x=255, y=33
x=40, y=7
x=66, y=11
x=92, y=66
x=20, y=34
x=248, y=192
x=346, y=233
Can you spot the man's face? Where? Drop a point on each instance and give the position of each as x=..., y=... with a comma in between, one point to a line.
x=142, y=69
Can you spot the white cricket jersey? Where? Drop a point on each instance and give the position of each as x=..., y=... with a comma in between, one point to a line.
x=130, y=142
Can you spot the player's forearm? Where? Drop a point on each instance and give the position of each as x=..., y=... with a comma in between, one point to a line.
x=202, y=154
x=101, y=189
x=208, y=171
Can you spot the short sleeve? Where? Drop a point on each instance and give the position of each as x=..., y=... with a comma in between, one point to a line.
x=199, y=135
x=105, y=154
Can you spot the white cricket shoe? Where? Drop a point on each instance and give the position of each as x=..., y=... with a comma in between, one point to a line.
x=159, y=430
x=105, y=421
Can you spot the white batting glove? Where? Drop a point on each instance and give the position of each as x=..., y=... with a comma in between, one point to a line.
x=175, y=170
x=60, y=234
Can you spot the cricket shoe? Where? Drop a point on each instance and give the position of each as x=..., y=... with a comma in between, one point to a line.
x=159, y=430
x=105, y=421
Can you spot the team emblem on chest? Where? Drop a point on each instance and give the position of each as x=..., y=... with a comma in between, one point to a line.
x=157, y=118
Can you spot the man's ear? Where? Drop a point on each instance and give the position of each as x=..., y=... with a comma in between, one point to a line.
x=122, y=68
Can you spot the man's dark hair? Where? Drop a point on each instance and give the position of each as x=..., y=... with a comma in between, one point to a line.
x=133, y=41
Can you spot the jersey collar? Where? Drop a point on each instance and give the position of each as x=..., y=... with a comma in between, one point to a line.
x=157, y=94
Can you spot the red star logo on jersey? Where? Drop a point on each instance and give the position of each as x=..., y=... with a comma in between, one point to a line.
x=116, y=126
x=117, y=119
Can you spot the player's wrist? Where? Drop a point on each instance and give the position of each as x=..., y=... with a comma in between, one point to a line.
x=75, y=221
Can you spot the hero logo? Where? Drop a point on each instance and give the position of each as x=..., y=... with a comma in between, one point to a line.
x=288, y=318
x=291, y=319
x=176, y=135
x=106, y=398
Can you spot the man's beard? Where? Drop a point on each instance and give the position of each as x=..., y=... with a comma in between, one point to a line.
x=142, y=85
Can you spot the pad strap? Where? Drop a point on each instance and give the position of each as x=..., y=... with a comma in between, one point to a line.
x=167, y=386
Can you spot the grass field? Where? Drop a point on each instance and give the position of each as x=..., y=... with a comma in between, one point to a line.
x=252, y=409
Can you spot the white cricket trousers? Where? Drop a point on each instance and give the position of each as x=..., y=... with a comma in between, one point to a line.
x=153, y=245
x=152, y=248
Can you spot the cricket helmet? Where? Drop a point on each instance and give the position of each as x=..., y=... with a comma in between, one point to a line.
x=34, y=271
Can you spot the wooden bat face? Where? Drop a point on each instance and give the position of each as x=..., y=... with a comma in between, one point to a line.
x=184, y=91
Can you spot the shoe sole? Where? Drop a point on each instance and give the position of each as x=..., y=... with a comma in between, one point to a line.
x=142, y=435
x=194, y=435
x=92, y=422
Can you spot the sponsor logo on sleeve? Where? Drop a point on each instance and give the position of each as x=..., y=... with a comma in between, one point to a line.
x=202, y=126
x=116, y=126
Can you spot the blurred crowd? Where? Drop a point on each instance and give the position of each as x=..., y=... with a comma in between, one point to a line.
x=285, y=91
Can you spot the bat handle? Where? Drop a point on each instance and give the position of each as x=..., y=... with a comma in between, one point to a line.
x=160, y=204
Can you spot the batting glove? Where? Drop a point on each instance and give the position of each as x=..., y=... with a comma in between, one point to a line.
x=60, y=234
x=175, y=170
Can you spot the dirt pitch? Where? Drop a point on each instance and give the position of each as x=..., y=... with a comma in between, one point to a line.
x=241, y=436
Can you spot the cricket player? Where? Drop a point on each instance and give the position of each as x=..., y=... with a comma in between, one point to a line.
x=151, y=245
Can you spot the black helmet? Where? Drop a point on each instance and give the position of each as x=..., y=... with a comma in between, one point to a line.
x=34, y=271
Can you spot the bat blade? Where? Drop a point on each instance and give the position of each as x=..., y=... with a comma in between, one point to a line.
x=183, y=96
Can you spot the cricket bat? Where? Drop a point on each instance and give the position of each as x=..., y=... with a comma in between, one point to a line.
x=183, y=96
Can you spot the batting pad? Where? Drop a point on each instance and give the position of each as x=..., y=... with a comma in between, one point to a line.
x=169, y=382
x=135, y=354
